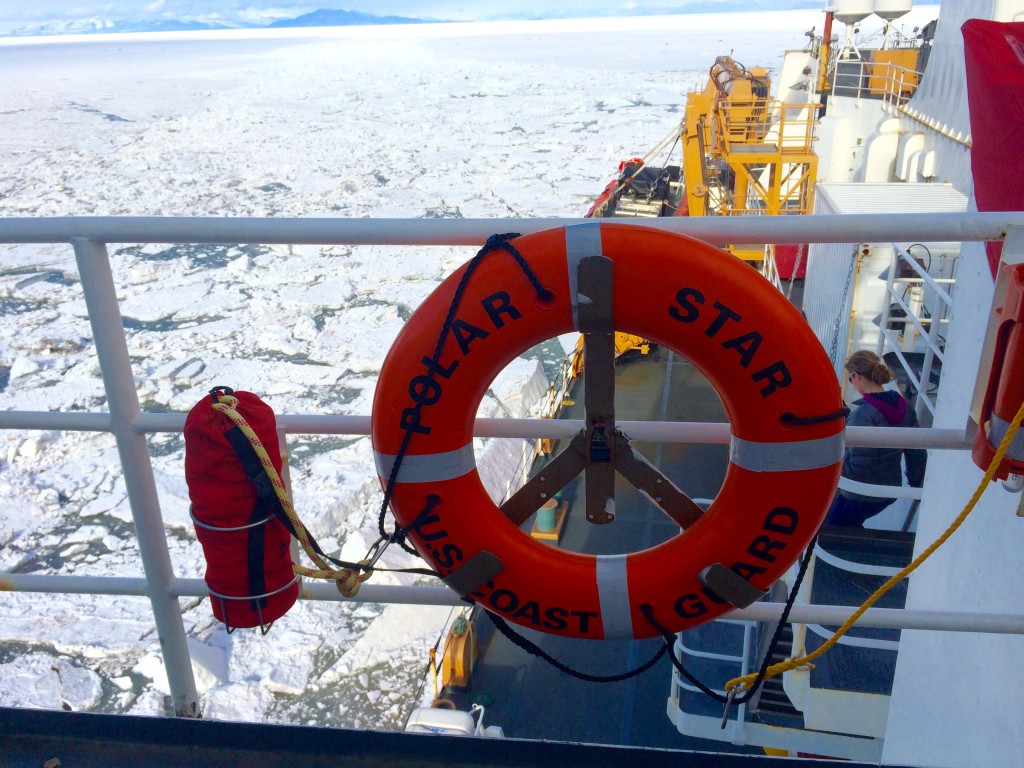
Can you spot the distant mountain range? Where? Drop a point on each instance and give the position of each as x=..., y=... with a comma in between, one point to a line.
x=341, y=18
x=320, y=18
x=329, y=18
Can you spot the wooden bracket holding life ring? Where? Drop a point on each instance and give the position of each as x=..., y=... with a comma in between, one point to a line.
x=706, y=305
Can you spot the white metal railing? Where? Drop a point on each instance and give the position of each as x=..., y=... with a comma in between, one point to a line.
x=712, y=432
x=853, y=567
x=880, y=491
x=801, y=628
x=771, y=267
x=928, y=310
x=559, y=390
x=853, y=641
x=129, y=425
x=849, y=566
x=742, y=662
x=851, y=228
x=893, y=84
x=684, y=649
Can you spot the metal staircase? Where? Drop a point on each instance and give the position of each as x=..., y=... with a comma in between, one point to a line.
x=771, y=702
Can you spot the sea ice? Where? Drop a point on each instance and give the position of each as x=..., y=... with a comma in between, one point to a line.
x=41, y=681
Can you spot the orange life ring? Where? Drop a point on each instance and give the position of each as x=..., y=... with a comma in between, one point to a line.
x=706, y=305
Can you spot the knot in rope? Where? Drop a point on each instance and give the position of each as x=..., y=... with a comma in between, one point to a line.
x=225, y=403
x=499, y=240
x=398, y=536
x=348, y=579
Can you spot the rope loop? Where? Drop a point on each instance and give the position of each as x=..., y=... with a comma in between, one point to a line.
x=793, y=419
x=503, y=241
x=348, y=580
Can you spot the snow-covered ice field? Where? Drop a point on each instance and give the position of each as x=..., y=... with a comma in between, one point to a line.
x=470, y=120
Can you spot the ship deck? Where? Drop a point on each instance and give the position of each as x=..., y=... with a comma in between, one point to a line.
x=33, y=738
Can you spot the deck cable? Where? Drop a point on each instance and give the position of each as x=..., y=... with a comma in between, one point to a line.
x=833, y=351
x=535, y=650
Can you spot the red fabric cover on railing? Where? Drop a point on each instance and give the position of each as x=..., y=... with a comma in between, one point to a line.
x=994, y=54
x=224, y=497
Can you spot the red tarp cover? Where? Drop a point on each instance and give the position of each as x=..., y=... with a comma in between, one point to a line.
x=994, y=53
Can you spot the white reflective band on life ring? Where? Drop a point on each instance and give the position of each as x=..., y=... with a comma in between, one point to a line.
x=429, y=467
x=581, y=241
x=997, y=429
x=613, y=590
x=786, y=457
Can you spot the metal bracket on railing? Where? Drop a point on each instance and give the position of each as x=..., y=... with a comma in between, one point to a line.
x=264, y=627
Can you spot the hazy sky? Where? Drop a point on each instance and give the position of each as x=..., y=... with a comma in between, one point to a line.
x=18, y=11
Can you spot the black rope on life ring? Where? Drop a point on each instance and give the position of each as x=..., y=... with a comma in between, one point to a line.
x=494, y=243
x=792, y=418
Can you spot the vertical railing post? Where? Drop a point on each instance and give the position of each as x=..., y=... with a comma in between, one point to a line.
x=938, y=311
x=741, y=710
x=890, y=281
x=286, y=478
x=123, y=403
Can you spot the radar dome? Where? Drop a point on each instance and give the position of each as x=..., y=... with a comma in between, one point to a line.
x=890, y=10
x=851, y=11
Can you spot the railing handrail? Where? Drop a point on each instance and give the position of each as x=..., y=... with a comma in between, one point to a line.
x=854, y=641
x=898, y=82
x=863, y=569
x=904, y=256
x=704, y=432
x=843, y=228
x=936, y=314
x=880, y=491
x=742, y=661
x=801, y=613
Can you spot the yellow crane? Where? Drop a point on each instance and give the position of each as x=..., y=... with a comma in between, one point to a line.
x=744, y=152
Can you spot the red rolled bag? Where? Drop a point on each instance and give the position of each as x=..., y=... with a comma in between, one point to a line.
x=237, y=515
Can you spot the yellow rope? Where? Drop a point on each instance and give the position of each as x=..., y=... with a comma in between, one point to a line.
x=347, y=579
x=745, y=682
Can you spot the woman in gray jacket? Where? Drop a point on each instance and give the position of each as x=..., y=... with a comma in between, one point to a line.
x=878, y=407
